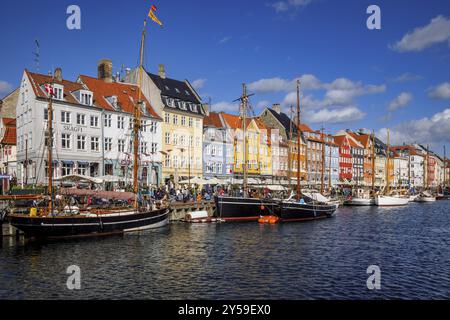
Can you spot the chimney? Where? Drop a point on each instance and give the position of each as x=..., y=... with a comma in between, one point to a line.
x=206, y=108
x=276, y=107
x=58, y=74
x=162, y=71
x=105, y=71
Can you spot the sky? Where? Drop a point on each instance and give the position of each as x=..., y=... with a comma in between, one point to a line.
x=396, y=78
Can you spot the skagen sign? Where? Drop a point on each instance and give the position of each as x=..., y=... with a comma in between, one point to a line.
x=72, y=128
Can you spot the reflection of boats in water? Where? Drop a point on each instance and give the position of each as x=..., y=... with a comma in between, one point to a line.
x=61, y=221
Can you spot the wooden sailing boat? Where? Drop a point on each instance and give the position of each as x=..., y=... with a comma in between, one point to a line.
x=300, y=208
x=244, y=208
x=387, y=199
x=69, y=222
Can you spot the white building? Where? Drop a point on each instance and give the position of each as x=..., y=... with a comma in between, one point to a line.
x=77, y=129
x=401, y=172
x=117, y=100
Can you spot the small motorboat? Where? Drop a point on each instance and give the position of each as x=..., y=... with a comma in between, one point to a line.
x=425, y=197
x=389, y=201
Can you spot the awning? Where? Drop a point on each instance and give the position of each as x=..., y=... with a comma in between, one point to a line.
x=108, y=161
x=83, y=163
x=68, y=163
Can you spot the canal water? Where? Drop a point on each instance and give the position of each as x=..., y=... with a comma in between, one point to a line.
x=318, y=260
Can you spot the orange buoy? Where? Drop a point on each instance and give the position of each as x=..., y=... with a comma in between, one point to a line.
x=273, y=220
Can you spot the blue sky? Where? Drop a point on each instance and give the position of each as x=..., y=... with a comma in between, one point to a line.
x=353, y=77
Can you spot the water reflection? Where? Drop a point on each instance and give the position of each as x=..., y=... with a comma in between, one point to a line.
x=319, y=260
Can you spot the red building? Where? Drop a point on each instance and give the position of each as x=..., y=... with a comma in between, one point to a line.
x=345, y=158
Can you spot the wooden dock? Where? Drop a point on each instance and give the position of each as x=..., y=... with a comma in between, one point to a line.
x=178, y=211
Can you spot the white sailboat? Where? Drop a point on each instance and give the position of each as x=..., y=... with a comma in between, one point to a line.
x=425, y=197
x=389, y=200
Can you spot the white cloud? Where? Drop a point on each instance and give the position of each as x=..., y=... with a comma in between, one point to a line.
x=262, y=104
x=349, y=114
x=5, y=88
x=226, y=107
x=400, y=101
x=437, y=31
x=434, y=130
x=225, y=40
x=405, y=77
x=198, y=84
x=283, y=6
x=441, y=92
x=307, y=81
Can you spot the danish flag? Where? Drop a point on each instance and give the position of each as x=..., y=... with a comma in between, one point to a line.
x=49, y=89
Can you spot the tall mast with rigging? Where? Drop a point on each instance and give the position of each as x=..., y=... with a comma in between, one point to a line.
x=322, y=187
x=373, y=161
x=244, y=131
x=50, y=153
x=137, y=122
x=299, y=189
x=388, y=184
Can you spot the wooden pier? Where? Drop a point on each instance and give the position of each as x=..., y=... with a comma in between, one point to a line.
x=178, y=211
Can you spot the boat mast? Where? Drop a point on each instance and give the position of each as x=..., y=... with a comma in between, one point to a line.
x=50, y=153
x=329, y=170
x=387, y=165
x=244, y=130
x=426, y=168
x=291, y=127
x=322, y=187
x=299, y=189
x=137, y=122
x=373, y=161
x=445, y=171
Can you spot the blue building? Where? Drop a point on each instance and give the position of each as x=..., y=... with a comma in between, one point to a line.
x=331, y=161
x=215, y=162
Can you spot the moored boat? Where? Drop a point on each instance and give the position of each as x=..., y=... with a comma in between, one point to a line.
x=425, y=197
x=360, y=202
x=294, y=211
x=244, y=209
x=390, y=201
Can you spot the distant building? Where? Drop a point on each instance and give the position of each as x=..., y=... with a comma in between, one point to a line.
x=416, y=162
x=8, y=104
x=214, y=146
x=345, y=160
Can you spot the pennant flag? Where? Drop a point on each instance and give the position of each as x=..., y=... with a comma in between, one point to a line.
x=152, y=16
x=153, y=7
x=49, y=89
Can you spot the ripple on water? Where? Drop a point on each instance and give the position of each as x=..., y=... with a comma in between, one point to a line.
x=320, y=260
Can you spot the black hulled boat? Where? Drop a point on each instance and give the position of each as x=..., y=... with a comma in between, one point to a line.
x=69, y=222
x=244, y=209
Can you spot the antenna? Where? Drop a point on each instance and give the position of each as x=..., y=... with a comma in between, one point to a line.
x=37, y=55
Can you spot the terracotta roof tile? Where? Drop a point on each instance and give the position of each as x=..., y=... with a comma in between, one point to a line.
x=127, y=94
x=213, y=120
x=10, y=136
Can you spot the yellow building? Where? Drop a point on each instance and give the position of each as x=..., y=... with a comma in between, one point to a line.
x=182, y=111
x=258, y=149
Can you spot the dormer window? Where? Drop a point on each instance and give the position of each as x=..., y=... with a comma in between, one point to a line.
x=114, y=102
x=187, y=93
x=86, y=98
x=183, y=105
x=194, y=108
x=178, y=91
x=167, y=88
x=59, y=92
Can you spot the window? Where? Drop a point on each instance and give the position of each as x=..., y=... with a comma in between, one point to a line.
x=120, y=122
x=108, y=144
x=86, y=99
x=94, y=121
x=191, y=141
x=144, y=125
x=153, y=127
x=82, y=169
x=81, y=119
x=58, y=92
x=197, y=123
x=143, y=147
x=81, y=142
x=107, y=120
x=95, y=143
x=175, y=119
x=167, y=118
x=67, y=168
x=131, y=123
x=175, y=139
x=167, y=161
x=183, y=140
x=65, y=117
x=167, y=138
x=121, y=145
x=46, y=140
x=191, y=122
x=154, y=148
x=175, y=161
x=65, y=141
x=183, y=121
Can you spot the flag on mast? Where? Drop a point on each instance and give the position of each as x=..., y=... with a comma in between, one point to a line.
x=152, y=15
